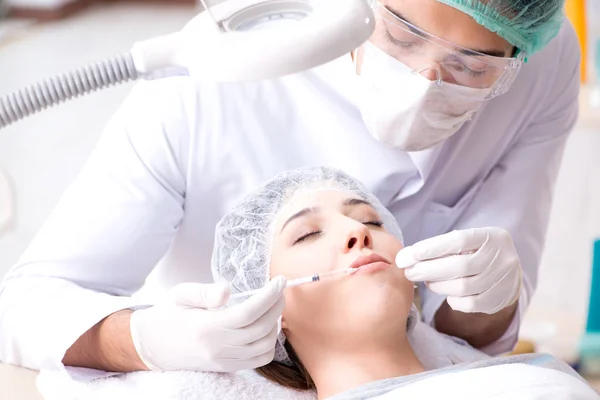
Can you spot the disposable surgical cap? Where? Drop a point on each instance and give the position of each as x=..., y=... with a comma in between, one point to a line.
x=526, y=24
x=244, y=236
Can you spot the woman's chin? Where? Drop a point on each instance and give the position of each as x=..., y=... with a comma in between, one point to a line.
x=352, y=308
x=355, y=297
x=379, y=293
x=381, y=307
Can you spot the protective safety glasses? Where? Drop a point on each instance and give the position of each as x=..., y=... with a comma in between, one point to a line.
x=424, y=52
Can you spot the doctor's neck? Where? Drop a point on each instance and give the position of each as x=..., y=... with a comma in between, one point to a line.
x=340, y=364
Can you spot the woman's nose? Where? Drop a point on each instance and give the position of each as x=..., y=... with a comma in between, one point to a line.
x=358, y=237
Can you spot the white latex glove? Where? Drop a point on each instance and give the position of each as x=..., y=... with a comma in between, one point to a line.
x=485, y=280
x=185, y=331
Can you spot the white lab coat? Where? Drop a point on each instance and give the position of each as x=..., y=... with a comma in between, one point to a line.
x=178, y=155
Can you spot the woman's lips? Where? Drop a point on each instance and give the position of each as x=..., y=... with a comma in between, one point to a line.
x=371, y=263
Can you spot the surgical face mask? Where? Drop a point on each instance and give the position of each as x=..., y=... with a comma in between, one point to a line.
x=406, y=110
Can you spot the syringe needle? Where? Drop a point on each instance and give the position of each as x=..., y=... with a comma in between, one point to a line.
x=307, y=279
x=321, y=277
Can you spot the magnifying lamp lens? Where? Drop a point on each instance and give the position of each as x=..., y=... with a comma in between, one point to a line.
x=270, y=21
x=268, y=14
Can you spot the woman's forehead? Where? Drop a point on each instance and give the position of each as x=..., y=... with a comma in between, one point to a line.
x=324, y=199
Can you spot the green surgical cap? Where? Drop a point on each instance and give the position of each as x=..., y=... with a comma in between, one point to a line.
x=526, y=24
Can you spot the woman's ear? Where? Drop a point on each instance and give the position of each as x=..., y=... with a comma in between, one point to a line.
x=283, y=324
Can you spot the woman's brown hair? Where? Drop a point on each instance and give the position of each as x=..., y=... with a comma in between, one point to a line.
x=293, y=377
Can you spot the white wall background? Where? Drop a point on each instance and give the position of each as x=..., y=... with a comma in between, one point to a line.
x=593, y=34
x=43, y=154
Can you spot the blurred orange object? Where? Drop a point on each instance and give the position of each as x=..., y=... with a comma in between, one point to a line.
x=523, y=347
x=575, y=10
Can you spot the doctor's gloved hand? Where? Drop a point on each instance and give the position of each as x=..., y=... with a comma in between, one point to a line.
x=185, y=331
x=477, y=269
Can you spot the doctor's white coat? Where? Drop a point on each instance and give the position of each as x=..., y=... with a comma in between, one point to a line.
x=178, y=155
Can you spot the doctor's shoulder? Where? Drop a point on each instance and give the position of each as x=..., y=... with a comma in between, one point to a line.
x=562, y=59
x=190, y=102
x=176, y=120
x=158, y=100
x=169, y=111
x=549, y=84
x=558, y=64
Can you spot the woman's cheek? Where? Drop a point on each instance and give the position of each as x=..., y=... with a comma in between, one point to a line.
x=306, y=263
x=305, y=259
x=311, y=258
x=405, y=285
x=278, y=264
x=298, y=306
x=293, y=264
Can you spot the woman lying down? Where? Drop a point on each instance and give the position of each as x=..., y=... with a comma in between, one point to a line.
x=346, y=337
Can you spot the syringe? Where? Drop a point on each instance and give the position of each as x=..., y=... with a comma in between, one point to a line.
x=301, y=281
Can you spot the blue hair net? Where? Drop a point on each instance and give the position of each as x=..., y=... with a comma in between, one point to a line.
x=526, y=24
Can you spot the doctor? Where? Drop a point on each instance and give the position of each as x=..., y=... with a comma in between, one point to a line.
x=455, y=114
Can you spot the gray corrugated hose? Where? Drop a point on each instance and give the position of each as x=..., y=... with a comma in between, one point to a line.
x=18, y=105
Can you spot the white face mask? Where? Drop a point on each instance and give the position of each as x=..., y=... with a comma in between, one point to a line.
x=408, y=111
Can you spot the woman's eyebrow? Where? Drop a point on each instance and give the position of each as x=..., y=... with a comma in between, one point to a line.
x=357, y=202
x=299, y=214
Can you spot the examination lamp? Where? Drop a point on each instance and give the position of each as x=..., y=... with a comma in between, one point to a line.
x=232, y=41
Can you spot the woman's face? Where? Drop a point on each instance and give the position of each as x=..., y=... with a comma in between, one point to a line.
x=329, y=230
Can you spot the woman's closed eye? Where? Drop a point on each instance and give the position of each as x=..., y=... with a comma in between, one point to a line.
x=378, y=224
x=305, y=236
x=316, y=233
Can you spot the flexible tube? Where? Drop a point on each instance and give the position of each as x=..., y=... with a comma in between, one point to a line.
x=22, y=103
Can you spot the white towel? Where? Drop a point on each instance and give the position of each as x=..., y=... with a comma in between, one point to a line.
x=177, y=385
x=498, y=382
x=433, y=349
x=436, y=350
